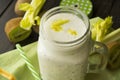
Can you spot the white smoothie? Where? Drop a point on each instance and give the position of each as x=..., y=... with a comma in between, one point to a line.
x=75, y=23
x=61, y=62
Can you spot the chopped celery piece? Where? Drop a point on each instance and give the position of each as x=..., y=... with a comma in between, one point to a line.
x=113, y=36
x=30, y=16
x=100, y=27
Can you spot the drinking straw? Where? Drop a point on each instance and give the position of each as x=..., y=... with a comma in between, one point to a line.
x=28, y=62
x=6, y=74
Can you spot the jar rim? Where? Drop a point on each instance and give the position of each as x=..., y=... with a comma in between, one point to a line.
x=52, y=11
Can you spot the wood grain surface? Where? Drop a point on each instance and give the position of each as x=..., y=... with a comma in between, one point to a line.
x=101, y=8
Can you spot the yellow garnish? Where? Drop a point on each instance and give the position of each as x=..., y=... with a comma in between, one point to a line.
x=72, y=32
x=56, y=28
x=7, y=75
x=60, y=22
x=57, y=25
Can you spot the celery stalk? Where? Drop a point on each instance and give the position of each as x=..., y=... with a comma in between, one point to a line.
x=111, y=37
x=100, y=27
x=30, y=16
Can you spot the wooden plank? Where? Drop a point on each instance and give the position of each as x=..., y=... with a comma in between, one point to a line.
x=116, y=22
x=115, y=12
x=50, y=4
x=5, y=45
x=3, y=5
x=102, y=8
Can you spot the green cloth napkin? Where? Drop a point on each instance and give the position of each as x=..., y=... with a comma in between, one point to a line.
x=12, y=62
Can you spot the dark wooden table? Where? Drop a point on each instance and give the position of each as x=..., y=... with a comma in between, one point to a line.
x=101, y=8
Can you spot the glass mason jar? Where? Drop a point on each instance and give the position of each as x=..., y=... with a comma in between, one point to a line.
x=60, y=59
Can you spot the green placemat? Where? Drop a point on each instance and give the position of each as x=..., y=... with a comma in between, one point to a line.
x=12, y=62
x=83, y=5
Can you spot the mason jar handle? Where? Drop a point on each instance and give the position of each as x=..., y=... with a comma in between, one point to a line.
x=98, y=57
